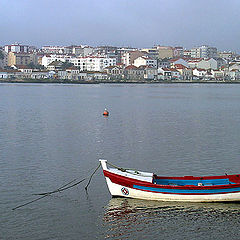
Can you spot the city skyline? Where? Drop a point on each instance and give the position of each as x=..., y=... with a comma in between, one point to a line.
x=135, y=23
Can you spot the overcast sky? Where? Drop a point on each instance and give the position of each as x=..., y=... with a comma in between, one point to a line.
x=136, y=23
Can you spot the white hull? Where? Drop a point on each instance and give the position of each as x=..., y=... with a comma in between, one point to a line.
x=116, y=190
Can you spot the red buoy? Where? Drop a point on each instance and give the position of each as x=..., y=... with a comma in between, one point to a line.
x=105, y=112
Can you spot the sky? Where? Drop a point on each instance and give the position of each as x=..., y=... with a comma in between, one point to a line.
x=135, y=23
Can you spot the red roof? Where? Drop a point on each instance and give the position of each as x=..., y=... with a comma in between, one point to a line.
x=178, y=58
x=22, y=67
x=200, y=69
x=146, y=57
x=180, y=66
x=166, y=69
x=130, y=67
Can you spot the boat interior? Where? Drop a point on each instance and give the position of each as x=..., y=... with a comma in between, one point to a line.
x=195, y=181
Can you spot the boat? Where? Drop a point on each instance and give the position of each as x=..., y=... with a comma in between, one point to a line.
x=129, y=183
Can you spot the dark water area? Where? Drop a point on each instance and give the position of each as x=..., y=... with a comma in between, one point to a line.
x=51, y=134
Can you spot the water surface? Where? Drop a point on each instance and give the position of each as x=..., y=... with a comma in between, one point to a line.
x=51, y=134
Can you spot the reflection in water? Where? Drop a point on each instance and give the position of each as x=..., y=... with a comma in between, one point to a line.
x=137, y=219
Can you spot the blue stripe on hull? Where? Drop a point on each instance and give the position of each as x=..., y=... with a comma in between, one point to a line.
x=187, y=191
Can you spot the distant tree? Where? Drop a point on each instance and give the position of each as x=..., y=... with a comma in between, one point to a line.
x=66, y=65
x=31, y=65
x=1, y=55
x=35, y=66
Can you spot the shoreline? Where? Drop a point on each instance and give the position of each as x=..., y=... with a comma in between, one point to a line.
x=50, y=81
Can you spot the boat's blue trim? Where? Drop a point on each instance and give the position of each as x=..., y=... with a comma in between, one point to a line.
x=184, y=182
x=187, y=191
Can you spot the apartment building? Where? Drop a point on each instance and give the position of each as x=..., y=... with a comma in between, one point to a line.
x=145, y=61
x=47, y=59
x=92, y=63
x=204, y=52
x=16, y=48
x=21, y=58
x=165, y=52
x=129, y=57
x=53, y=49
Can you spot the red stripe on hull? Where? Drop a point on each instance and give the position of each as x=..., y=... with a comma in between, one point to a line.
x=129, y=182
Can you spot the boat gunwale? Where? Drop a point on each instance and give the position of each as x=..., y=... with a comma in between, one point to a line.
x=130, y=182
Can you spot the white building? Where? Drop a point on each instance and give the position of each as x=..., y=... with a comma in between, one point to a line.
x=82, y=51
x=145, y=61
x=53, y=49
x=204, y=52
x=89, y=63
x=199, y=72
x=234, y=66
x=47, y=59
x=16, y=48
x=209, y=63
x=234, y=75
x=169, y=73
x=95, y=64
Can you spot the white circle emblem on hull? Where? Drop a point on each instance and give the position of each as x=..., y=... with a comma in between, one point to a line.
x=125, y=191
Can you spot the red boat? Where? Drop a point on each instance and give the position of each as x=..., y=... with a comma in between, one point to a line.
x=145, y=185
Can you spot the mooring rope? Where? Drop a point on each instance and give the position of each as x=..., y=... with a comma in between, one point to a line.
x=30, y=202
x=60, y=189
x=92, y=176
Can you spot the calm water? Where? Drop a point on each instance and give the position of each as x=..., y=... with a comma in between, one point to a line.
x=51, y=134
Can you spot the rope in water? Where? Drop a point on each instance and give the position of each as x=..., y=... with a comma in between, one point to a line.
x=60, y=189
x=92, y=176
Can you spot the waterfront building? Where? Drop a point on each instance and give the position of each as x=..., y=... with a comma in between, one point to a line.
x=200, y=73
x=115, y=71
x=185, y=72
x=234, y=66
x=169, y=73
x=10, y=74
x=234, y=75
x=71, y=73
x=132, y=72
x=91, y=63
x=40, y=74
x=150, y=73
x=218, y=74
